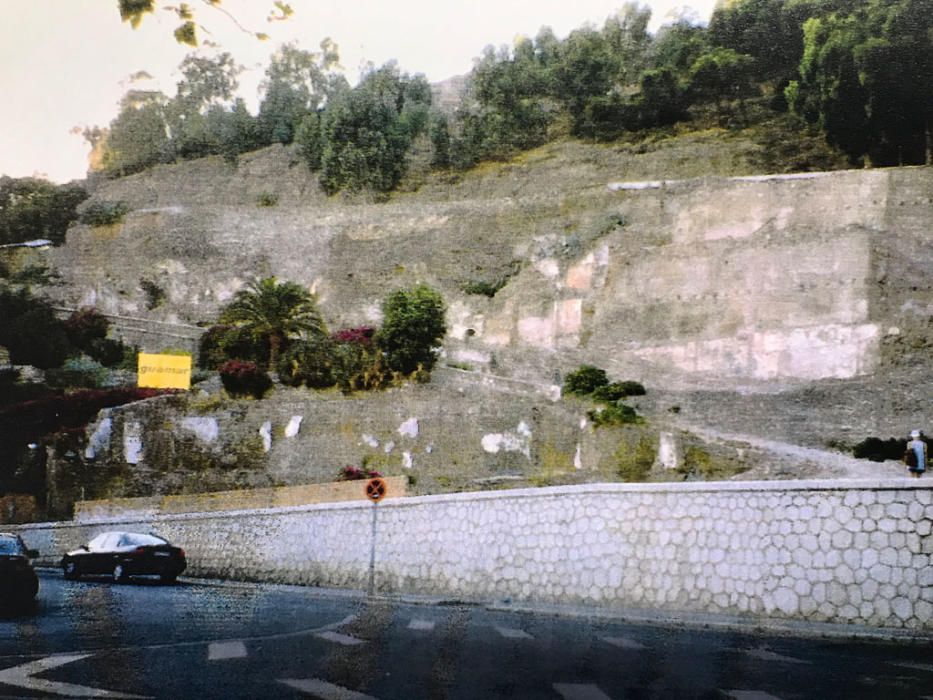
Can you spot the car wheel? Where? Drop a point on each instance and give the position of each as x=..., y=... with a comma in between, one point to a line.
x=70, y=569
x=119, y=574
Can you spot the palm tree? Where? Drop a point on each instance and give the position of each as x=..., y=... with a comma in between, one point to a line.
x=274, y=310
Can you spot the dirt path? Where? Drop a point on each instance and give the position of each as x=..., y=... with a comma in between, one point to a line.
x=815, y=463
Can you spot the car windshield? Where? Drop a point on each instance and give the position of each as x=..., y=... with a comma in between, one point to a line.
x=10, y=545
x=130, y=539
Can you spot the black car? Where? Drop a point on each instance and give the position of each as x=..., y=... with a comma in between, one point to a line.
x=125, y=554
x=18, y=580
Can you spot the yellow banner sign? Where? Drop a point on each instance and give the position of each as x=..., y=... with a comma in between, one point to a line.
x=164, y=371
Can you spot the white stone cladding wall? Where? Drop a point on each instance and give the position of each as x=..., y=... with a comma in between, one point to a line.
x=854, y=552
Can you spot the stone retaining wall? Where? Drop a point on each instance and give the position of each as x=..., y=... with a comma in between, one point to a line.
x=842, y=552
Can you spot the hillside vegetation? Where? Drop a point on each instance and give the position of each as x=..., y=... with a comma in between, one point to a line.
x=820, y=80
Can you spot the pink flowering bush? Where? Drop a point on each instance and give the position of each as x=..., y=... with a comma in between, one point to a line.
x=351, y=473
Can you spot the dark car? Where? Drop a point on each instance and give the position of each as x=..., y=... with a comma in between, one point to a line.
x=18, y=580
x=125, y=554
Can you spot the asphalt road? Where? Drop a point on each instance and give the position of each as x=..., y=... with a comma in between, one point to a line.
x=205, y=640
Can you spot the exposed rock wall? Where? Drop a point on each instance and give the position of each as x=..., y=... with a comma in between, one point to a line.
x=767, y=279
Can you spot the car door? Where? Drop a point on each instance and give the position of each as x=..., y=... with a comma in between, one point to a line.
x=100, y=553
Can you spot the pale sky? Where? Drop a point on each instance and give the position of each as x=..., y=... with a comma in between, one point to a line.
x=66, y=63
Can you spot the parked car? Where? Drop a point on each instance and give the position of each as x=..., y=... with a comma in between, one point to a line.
x=125, y=554
x=18, y=580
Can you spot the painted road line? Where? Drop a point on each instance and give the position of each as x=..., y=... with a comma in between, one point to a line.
x=908, y=664
x=344, y=639
x=580, y=691
x=623, y=643
x=324, y=690
x=22, y=677
x=765, y=654
x=510, y=633
x=218, y=651
x=421, y=625
x=750, y=695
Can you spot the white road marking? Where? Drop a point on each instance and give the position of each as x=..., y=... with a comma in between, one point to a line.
x=344, y=639
x=750, y=695
x=510, y=633
x=421, y=625
x=765, y=654
x=218, y=651
x=22, y=677
x=579, y=691
x=919, y=667
x=623, y=643
x=324, y=690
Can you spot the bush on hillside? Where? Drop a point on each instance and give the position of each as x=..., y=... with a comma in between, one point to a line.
x=584, y=380
x=615, y=391
x=308, y=363
x=878, y=450
x=241, y=378
x=104, y=213
x=413, y=329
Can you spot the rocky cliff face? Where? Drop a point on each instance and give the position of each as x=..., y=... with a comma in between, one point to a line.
x=733, y=299
x=749, y=279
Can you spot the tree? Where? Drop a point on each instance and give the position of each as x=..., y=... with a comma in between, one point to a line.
x=720, y=75
x=276, y=311
x=133, y=11
x=138, y=138
x=32, y=208
x=367, y=131
x=413, y=329
x=866, y=77
x=30, y=330
x=297, y=83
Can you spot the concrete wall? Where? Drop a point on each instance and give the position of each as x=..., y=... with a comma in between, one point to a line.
x=278, y=497
x=842, y=552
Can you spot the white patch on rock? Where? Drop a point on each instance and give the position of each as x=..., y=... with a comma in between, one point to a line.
x=265, y=432
x=548, y=267
x=409, y=428
x=669, y=451
x=578, y=457
x=389, y=446
x=100, y=438
x=206, y=429
x=370, y=440
x=132, y=443
x=407, y=461
x=294, y=425
x=519, y=441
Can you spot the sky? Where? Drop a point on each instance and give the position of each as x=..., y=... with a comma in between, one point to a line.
x=66, y=63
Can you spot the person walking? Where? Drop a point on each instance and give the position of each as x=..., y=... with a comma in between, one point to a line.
x=916, y=455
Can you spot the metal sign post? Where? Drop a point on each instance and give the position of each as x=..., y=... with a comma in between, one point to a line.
x=375, y=491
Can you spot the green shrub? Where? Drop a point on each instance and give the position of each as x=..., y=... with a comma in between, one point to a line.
x=241, y=378
x=222, y=342
x=308, y=363
x=78, y=373
x=614, y=391
x=107, y=351
x=267, y=199
x=878, y=450
x=585, y=380
x=413, y=329
x=104, y=213
x=85, y=325
x=634, y=464
x=154, y=294
x=30, y=330
x=614, y=414
x=359, y=368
